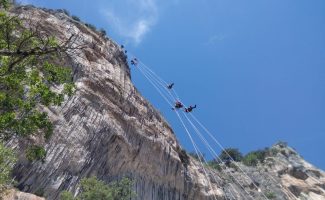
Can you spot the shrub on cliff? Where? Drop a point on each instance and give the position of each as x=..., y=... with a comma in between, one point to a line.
x=7, y=161
x=230, y=154
x=74, y=17
x=254, y=157
x=92, y=188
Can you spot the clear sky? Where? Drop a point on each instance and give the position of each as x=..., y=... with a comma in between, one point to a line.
x=256, y=69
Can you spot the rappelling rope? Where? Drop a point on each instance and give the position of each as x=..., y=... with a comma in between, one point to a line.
x=195, y=146
x=214, y=139
x=160, y=79
x=142, y=71
x=192, y=141
x=224, y=150
x=214, y=154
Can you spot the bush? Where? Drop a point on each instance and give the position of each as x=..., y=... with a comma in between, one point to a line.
x=102, y=32
x=75, y=18
x=270, y=195
x=63, y=11
x=65, y=195
x=35, y=152
x=214, y=165
x=7, y=161
x=252, y=158
x=233, y=153
x=66, y=12
x=92, y=188
x=4, y=4
x=92, y=27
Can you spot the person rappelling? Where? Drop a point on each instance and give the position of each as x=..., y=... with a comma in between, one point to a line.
x=189, y=109
x=178, y=105
x=134, y=61
x=170, y=86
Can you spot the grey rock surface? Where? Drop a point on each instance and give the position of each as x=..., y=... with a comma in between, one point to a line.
x=107, y=129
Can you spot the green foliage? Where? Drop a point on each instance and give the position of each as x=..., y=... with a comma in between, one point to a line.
x=75, y=18
x=27, y=75
x=65, y=195
x=254, y=157
x=64, y=11
x=122, y=190
x=270, y=195
x=214, y=165
x=4, y=4
x=7, y=161
x=197, y=157
x=230, y=154
x=92, y=27
x=92, y=188
x=35, y=152
x=102, y=32
x=251, y=159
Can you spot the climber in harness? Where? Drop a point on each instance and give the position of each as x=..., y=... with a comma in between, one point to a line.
x=189, y=109
x=134, y=61
x=170, y=86
x=178, y=105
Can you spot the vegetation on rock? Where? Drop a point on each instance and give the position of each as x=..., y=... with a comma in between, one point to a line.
x=92, y=188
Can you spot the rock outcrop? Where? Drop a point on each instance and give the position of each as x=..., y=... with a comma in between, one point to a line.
x=16, y=195
x=107, y=129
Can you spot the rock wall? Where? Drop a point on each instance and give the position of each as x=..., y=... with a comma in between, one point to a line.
x=107, y=129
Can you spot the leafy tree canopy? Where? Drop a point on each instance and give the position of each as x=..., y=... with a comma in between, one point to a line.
x=7, y=161
x=92, y=188
x=29, y=72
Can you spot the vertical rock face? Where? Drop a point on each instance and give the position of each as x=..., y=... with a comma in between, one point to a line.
x=108, y=130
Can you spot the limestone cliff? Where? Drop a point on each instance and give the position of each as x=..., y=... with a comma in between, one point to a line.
x=107, y=129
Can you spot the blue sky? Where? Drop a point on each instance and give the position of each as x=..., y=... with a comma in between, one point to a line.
x=256, y=69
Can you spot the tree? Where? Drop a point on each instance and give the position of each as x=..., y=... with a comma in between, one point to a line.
x=252, y=158
x=29, y=70
x=4, y=4
x=231, y=154
x=7, y=161
x=35, y=152
x=92, y=188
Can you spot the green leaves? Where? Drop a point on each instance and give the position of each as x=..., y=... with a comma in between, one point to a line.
x=4, y=4
x=29, y=77
x=230, y=154
x=7, y=161
x=92, y=188
x=56, y=74
x=35, y=152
